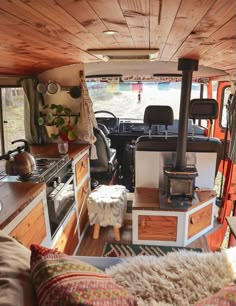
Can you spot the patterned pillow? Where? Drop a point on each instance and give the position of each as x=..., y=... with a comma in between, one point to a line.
x=60, y=279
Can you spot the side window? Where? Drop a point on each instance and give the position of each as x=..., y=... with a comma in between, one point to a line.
x=12, y=117
x=224, y=100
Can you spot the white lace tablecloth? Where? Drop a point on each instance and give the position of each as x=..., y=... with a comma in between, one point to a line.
x=107, y=205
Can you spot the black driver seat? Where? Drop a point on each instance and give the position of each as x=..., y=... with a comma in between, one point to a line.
x=106, y=161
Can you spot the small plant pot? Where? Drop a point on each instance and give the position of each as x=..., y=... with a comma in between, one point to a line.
x=51, y=129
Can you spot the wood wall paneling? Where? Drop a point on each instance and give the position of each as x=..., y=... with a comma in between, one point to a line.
x=159, y=32
x=41, y=35
x=136, y=14
x=111, y=15
x=220, y=13
x=87, y=17
x=189, y=15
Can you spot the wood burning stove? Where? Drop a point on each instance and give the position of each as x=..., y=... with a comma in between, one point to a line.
x=180, y=179
x=180, y=185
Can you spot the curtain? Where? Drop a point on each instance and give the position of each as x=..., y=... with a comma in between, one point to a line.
x=31, y=107
x=87, y=120
x=232, y=127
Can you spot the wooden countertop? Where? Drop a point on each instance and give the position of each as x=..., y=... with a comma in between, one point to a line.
x=50, y=150
x=14, y=197
x=149, y=199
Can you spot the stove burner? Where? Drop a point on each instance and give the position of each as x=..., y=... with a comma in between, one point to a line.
x=42, y=162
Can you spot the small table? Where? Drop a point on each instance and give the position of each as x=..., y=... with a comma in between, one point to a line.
x=232, y=225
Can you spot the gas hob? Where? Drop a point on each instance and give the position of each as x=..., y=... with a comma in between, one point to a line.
x=45, y=169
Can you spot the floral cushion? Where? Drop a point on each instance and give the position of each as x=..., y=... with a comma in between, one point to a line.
x=60, y=279
x=225, y=297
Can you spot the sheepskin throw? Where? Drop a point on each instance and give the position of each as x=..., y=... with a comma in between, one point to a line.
x=107, y=205
x=178, y=279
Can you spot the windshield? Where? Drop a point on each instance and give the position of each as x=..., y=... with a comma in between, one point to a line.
x=129, y=100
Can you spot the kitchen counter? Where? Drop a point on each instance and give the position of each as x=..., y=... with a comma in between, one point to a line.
x=51, y=150
x=15, y=196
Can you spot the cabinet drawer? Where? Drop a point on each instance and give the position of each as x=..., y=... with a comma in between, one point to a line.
x=199, y=220
x=81, y=168
x=68, y=240
x=157, y=228
x=83, y=219
x=32, y=228
x=82, y=194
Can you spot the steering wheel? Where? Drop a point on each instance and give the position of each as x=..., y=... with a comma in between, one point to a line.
x=103, y=127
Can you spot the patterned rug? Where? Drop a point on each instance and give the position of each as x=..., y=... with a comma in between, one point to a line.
x=126, y=250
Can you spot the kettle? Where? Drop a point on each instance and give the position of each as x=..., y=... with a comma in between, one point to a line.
x=21, y=163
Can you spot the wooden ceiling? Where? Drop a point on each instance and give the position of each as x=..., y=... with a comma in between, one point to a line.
x=37, y=35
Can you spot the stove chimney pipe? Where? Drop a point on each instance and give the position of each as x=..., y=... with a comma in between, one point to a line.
x=187, y=66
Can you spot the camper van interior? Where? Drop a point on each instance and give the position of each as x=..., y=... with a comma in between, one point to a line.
x=117, y=139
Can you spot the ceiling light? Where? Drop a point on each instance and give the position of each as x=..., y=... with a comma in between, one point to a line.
x=110, y=32
x=126, y=54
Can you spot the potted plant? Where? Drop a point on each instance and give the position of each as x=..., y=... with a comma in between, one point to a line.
x=59, y=122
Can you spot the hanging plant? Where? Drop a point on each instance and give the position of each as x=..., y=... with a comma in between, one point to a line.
x=61, y=119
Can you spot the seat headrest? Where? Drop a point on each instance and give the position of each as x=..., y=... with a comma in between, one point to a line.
x=203, y=109
x=158, y=115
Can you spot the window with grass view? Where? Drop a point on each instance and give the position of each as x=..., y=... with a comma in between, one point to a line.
x=129, y=99
x=12, y=117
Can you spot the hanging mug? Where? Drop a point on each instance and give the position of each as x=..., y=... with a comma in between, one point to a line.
x=53, y=88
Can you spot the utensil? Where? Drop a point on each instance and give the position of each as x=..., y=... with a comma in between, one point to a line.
x=75, y=92
x=53, y=88
x=41, y=88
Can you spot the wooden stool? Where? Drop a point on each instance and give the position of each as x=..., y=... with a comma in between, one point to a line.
x=106, y=207
x=96, y=231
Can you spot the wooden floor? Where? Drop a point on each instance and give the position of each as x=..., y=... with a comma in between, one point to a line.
x=91, y=247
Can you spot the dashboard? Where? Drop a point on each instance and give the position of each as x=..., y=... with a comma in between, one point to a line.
x=136, y=127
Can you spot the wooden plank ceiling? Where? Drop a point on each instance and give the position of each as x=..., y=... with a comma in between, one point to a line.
x=39, y=35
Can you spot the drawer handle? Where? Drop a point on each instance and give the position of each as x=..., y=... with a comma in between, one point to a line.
x=194, y=220
x=85, y=190
x=143, y=222
x=83, y=165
